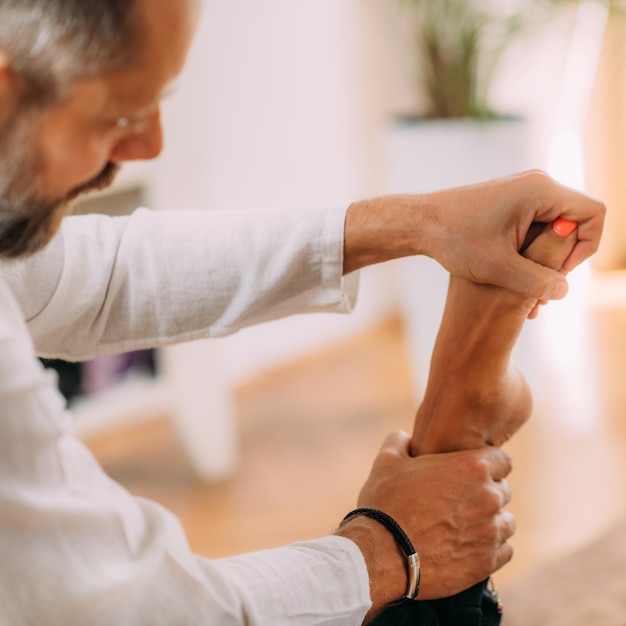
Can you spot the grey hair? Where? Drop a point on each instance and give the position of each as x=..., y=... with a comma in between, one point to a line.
x=52, y=43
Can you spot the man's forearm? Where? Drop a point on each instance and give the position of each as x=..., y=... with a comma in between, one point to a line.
x=384, y=228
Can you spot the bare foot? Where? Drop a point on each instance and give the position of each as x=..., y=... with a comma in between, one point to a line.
x=476, y=395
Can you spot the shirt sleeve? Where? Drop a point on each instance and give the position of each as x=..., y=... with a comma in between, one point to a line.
x=76, y=548
x=155, y=278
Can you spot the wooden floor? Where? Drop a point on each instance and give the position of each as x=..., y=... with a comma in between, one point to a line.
x=308, y=433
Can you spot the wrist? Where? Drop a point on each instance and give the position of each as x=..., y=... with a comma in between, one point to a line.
x=381, y=229
x=385, y=562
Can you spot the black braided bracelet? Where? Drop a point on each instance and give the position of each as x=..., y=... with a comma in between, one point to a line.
x=413, y=559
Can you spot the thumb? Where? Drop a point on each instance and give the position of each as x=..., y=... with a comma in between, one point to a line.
x=533, y=280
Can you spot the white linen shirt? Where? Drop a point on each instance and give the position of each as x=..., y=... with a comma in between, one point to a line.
x=76, y=549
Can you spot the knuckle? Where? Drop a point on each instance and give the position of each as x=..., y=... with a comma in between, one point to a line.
x=503, y=556
x=505, y=460
x=510, y=519
x=491, y=501
x=488, y=564
x=491, y=533
x=538, y=176
x=512, y=525
x=478, y=469
x=506, y=492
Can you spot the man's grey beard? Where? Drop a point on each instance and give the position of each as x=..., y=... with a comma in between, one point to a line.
x=28, y=219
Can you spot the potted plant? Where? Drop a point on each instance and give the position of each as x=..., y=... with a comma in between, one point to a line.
x=451, y=50
x=455, y=46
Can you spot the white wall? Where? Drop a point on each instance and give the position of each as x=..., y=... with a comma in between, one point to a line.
x=272, y=111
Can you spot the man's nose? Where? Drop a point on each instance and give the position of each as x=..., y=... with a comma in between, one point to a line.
x=141, y=143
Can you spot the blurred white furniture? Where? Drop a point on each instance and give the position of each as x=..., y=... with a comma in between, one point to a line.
x=190, y=385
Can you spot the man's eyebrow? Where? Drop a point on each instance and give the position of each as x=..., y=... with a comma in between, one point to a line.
x=167, y=91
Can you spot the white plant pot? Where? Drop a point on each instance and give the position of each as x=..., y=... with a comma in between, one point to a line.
x=425, y=156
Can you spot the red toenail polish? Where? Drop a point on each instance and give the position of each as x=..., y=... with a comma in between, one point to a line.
x=563, y=227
